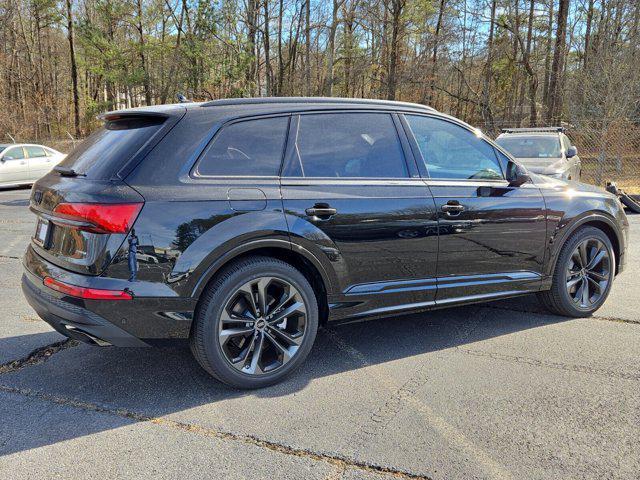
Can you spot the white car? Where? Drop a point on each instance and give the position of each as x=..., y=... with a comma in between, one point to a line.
x=23, y=164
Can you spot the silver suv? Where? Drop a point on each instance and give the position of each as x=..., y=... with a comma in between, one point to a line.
x=547, y=151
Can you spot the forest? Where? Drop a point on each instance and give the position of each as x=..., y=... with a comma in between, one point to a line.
x=492, y=63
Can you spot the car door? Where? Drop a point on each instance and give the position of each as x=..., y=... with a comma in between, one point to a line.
x=492, y=234
x=351, y=191
x=38, y=161
x=14, y=167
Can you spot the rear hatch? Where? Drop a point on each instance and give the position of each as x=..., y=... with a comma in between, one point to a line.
x=85, y=209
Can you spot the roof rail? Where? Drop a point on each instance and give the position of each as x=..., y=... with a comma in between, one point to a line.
x=360, y=101
x=534, y=129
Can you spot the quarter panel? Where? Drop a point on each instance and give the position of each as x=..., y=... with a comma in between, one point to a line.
x=179, y=240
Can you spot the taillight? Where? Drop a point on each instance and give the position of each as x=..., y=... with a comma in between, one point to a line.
x=84, y=292
x=101, y=217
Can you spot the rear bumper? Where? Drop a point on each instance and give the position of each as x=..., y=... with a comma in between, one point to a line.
x=156, y=316
x=72, y=320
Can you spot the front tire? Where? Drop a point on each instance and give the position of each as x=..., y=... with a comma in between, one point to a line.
x=583, y=274
x=256, y=323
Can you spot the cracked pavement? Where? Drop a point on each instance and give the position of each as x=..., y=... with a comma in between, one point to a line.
x=499, y=390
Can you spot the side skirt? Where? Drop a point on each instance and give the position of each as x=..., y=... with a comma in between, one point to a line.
x=367, y=301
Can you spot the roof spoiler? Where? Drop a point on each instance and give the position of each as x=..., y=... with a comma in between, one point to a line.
x=534, y=129
x=124, y=114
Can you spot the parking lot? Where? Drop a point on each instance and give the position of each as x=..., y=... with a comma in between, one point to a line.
x=500, y=390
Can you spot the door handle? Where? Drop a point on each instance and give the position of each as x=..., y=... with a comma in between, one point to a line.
x=452, y=208
x=322, y=211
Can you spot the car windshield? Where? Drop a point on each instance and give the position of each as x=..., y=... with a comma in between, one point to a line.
x=531, y=147
x=2, y=147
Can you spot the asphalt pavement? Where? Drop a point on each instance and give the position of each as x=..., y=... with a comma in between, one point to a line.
x=501, y=390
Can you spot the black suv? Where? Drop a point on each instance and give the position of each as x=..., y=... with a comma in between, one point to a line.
x=242, y=225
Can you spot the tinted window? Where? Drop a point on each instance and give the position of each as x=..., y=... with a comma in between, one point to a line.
x=15, y=153
x=33, y=152
x=347, y=145
x=250, y=148
x=531, y=147
x=450, y=151
x=104, y=152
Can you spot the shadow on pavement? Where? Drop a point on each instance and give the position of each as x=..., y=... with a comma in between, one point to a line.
x=157, y=382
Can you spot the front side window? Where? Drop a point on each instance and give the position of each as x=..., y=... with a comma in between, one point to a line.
x=453, y=152
x=347, y=145
x=248, y=148
x=34, y=152
x=15, y=153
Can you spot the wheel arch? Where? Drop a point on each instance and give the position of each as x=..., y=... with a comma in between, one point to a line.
x=299, y=258
x=598, y=220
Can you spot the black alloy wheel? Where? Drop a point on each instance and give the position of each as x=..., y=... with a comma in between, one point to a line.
x=262, y=325
x=256, y=322
x=588, y=273
x=583, y=274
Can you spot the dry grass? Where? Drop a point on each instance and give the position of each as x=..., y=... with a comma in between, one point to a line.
x=626, y=173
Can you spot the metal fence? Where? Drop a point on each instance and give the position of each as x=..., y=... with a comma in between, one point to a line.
x=609, y=151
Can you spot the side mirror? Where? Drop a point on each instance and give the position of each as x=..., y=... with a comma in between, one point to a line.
x=517, y=175
x=572, y=151
x=7, y=157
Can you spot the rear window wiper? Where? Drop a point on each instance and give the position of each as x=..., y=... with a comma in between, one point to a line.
x=68, y=172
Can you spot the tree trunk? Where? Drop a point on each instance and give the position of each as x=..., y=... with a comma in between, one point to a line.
x=547, y=57
x=587, y=34
x=143, y=62
x=267, y=56
x=307, y=44
x=533, y=80
x=250, y=75
x=392, y=81
x=280, y=59
x=74, y=71
x=487, y=115
x=331, y=48
x=434, y=54
x=554, y=108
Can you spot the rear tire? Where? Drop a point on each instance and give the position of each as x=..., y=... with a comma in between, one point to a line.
x=583, y=274
x=256, y=323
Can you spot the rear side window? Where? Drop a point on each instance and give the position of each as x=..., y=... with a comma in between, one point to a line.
x=103, y=153
x=347, y=145
x=452, y=152
x=247, y=148
x=34, y=152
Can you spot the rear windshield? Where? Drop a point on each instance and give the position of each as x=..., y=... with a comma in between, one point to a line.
x=103, y=153
x=531, y=147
